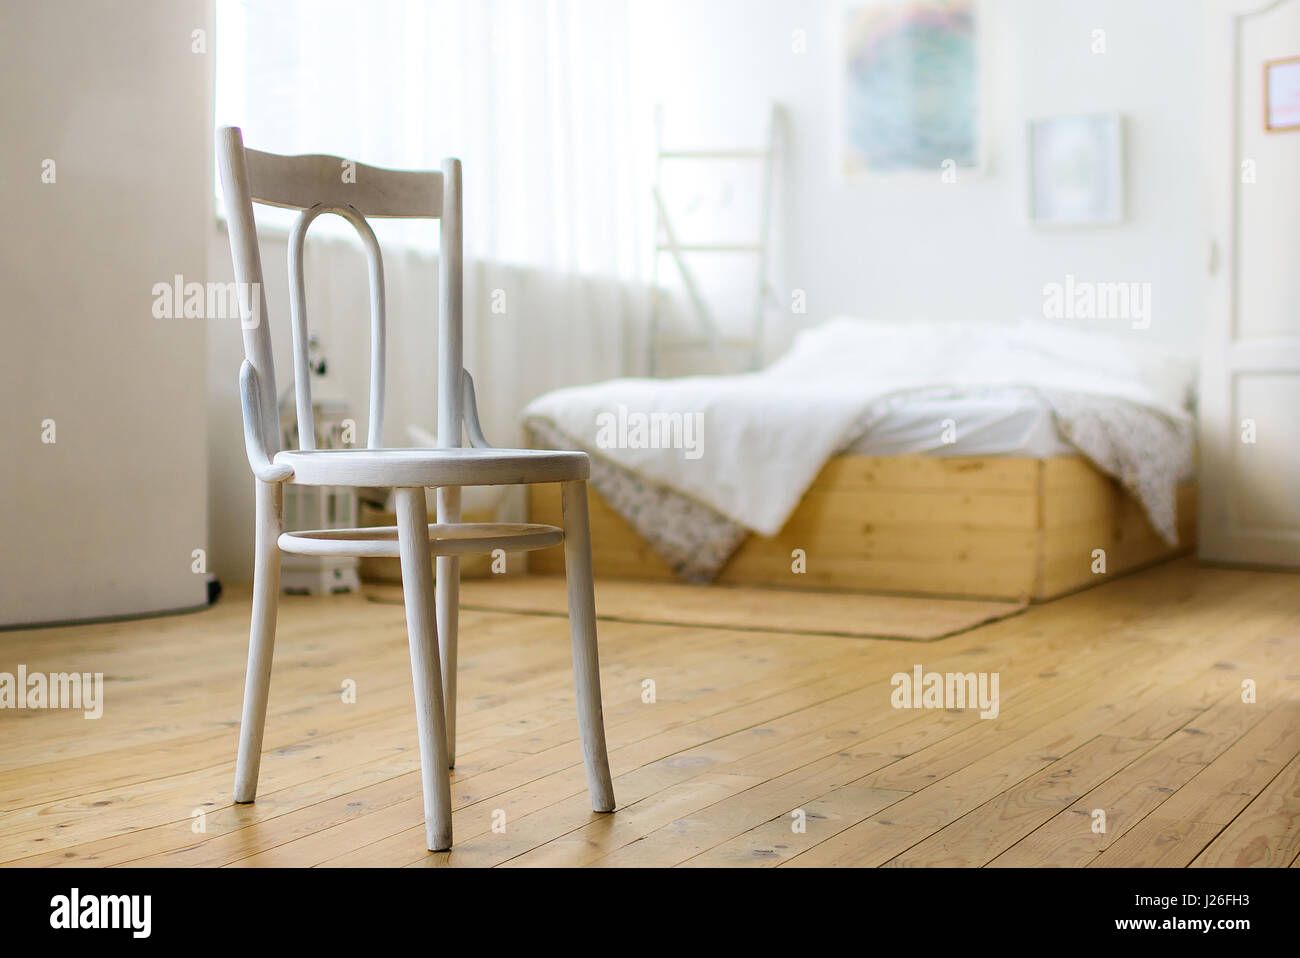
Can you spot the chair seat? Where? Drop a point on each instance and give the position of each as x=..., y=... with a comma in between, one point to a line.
x=432, y=467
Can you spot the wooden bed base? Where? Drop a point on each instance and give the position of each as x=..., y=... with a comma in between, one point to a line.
x=984, y=527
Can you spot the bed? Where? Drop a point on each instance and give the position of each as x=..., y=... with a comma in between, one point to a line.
x=1018, y=461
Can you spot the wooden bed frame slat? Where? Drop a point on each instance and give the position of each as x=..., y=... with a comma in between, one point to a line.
x=984, y=527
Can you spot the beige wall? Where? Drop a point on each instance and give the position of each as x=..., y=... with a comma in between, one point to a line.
x=104, y=520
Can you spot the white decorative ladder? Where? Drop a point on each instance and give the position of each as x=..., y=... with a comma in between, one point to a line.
x=668, y=243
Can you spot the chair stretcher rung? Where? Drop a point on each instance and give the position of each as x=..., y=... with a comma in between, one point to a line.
x=446, y=540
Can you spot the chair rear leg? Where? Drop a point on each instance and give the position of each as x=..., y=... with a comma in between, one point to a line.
x=261, y=638
x=448, y=604
x=421, y=628
x=582, y=631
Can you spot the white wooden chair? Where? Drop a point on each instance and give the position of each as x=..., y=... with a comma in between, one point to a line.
x=316, y=185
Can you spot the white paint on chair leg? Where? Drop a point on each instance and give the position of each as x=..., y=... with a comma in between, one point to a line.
x=421, y=628
x=451, y=393
x=261, y=638
x=448, y=601
x=582, y=630
x=448, y=592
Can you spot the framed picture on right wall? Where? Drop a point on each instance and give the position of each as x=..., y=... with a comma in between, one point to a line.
x=1282, y=95
x=1076, y=170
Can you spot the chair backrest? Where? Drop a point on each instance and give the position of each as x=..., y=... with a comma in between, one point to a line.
x=329, y=184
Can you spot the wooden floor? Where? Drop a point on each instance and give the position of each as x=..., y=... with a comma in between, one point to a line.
x=1126, y=698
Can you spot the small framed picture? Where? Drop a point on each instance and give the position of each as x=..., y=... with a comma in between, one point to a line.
x=1076, y=170
x=1282, y=95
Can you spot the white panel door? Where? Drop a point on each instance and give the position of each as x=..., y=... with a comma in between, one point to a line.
x=1250, y=377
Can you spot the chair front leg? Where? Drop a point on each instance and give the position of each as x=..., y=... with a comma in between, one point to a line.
x=421, y=628
x=582, y=631
x=448, y=604
x=261, y=637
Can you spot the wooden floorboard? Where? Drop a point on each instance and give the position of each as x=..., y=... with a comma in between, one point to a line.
x=1120, y=705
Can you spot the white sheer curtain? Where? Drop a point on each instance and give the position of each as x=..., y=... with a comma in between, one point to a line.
x=533, y=96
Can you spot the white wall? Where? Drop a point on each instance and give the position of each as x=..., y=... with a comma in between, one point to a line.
x=910, y=246
x=104, y=520
x=898, y=248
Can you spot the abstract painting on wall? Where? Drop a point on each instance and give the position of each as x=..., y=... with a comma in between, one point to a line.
x=910, y=82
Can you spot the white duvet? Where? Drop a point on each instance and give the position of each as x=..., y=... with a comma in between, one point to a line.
x=763, y=437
